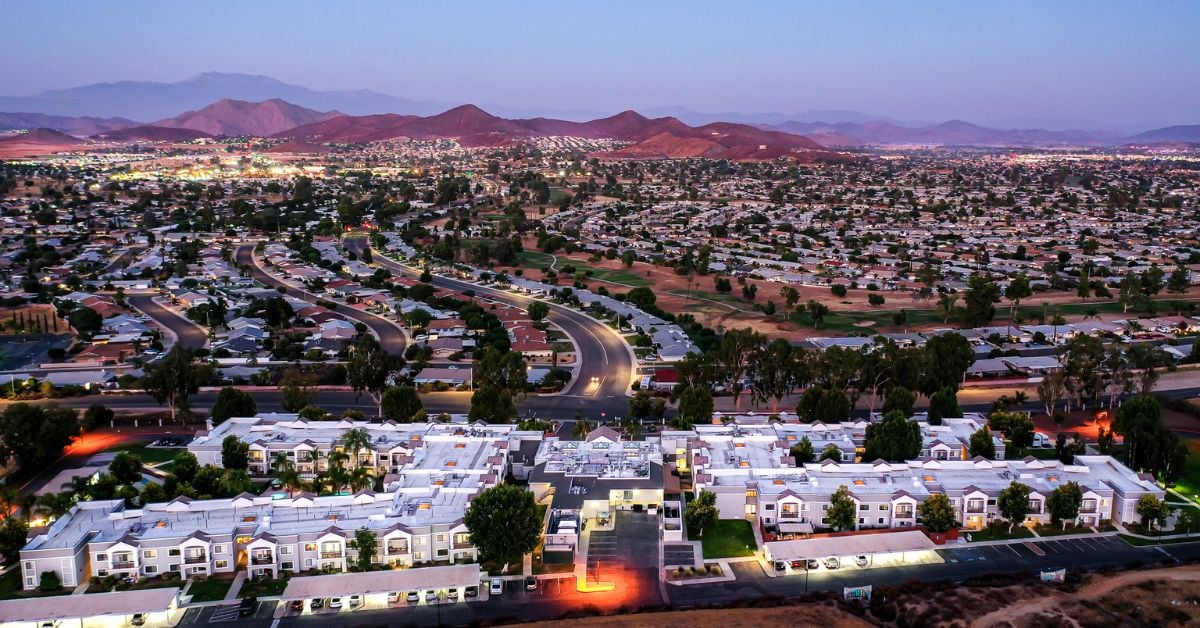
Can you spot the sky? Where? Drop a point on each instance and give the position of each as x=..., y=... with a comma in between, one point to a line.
x=1127, y=64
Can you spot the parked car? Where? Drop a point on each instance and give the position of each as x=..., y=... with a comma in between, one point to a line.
x=249, y=605
x=452, y=594
x=296, y=606
x=138, y=619
x=356, y=601
x=413, y=597
x=798, y=565
x=472, y=591
x=781, y=565
x=335, y=603
x=497, y=586
x=862, y=560
x=393, y=597
x=431, y=596
x=530, y=583
x=832, y=562
x=813, y=564
x=316, y=604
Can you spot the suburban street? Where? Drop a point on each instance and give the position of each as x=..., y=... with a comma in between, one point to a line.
x=188, y=334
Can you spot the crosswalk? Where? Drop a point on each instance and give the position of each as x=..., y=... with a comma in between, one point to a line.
x=224, y=613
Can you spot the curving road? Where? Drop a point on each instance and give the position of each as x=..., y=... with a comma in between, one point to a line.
x=188, y=335
x=603, y=354
x=390, y=336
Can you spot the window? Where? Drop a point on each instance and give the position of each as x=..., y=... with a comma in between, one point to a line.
x=103, y=573
x=420, y=540
x=768, y=506
x=173, y=551
x=218, y=549
x=173, y=567
x=102, y=558
x=29, y=565
x=861, y=520
x=221, y=564
x=441, y=538
x=29, y=582
x=150, y=569
x=149, y=553
x=884, y=507
x=289, y=566
x=308, y=562
x=864, y=506
x=442, y=553
x=881, y=521
x=310, y=547
x=824, y=521
x=285, y=550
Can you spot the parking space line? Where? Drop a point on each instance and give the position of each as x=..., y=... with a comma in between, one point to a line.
x=1033, y=547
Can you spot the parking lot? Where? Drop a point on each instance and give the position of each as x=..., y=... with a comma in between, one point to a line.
x=679, y=555
x=1037, y=550
x=228, y=613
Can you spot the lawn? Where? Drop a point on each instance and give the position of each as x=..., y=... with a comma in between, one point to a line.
x=729, y=538
x=210, y=590
x=261, y=588
x=1057, y=530
x=534, y=259
x=10, y=584
x=1000, y=533
x=1189, y=483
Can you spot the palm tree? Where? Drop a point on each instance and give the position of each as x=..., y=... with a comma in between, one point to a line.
x=338, y=476
x=280, y=463
x=582, y=428
x=55, y=505
x=234, y=481
x=357, y=440
x=1019, y=398
x=361, y=478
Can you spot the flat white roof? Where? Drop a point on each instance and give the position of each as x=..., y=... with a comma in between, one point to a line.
x=850, y=545
x=60, y=607
x=388, y=581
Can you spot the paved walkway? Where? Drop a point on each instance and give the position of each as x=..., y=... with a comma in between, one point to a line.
x=236, y=587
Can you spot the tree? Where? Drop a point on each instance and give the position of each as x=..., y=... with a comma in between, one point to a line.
x=943, y=404
x=778, y=366
x=1017, y=289
x=1064, y=502
x=503, y=522
x=401, y=403
x=817, y=311
x=1013, y=503
x=701, y=514
x=86, y=321
x=1051, y=390
x=296, y=390
x=233, y=482
x=981, y=444
x=418, y=318
x=838, y=290
x=1153, y=511
x=1147, y=359
x=355, y=441
x=895, y=439
x=947, y=307
x=172, y=380
x=980, y=301
x=899, y=399
x=696, y=405
x=842, y=513
x=14, y=533
x=538, y=311
x=947, y=357
x=1130, y=294
x=733, y=357
x=232, y=402
x=492, y=404
x=35, y=436
x=937, y=513
x=49, y=582
x=364, y=546
x=1187, y=520
x=370, y=370
x=802, y=452
x=1139, y=422
x=1180, y=280
x=235, y=454
x=185, y=466
x=1085, y=284
x=875, y=300
x=831, y=452
x=126, y=468
x=97, y=414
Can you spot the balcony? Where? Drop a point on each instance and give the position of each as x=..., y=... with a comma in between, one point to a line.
x=194, y=559
x=462, y=545
x=337, y=554
x=903, y=514
x=262, y=559
x=789, y=515
x=397, y=549
x=123, y=564
x=973, y=509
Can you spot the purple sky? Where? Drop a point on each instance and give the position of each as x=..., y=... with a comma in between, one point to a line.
x=1131, y=64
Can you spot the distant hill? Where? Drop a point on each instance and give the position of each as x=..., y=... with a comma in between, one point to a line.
x=148, y=133
x=951, y=133
x=38, y=142
x=651, y=137
x=239, y=117
x=143, y=100
x=1179, y=133
x=81, y=126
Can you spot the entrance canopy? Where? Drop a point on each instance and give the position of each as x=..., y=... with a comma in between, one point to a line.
x=850, y=545
x=87, y=607
x=793, y=527
x=388, y=581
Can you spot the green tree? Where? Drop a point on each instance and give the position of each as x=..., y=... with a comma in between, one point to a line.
x=834, y=406
x=896, y=438
x=981, y=444
x=802, y=452
x=296, y=391
x=503, y=522
x=899, y=399
x=126, y=468
x=831, y=452
x=817, y=312
x=233, y=482
x=946, y=359
x=1013, y=503
x=1131, y=293
x=14, y=533
x=370, y=369
x=1139, y=422
x=1018, y=288
x=1064, y=502
x=1187, y=520
x=86, y=321
x=35, y=436
x=364, y=546
x=97, y=414
x=842, y=513
x=232, y=402
x=1153, y=511
x=172, y=380
x=401, y=403
x=49, y=582
x=538, y=311
x=418, y=318
x=235, y=454
x=1180, y=280
x=185, y=466
x=980, y=301
x=701, y=514
x=696, y=405
x=943, y=404
x=937, y=513
x=492, y=404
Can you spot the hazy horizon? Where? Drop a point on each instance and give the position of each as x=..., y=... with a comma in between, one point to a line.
x=1014, y=64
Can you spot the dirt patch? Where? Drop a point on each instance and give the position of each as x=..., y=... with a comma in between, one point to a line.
x=803, y=615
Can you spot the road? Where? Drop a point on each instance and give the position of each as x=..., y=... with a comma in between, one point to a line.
x=603, y=354
x=188, y=334
x=390, y=336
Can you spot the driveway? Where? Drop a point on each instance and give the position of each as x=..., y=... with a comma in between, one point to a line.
x=627, y=556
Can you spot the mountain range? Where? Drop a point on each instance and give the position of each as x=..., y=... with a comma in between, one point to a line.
x=953, y=132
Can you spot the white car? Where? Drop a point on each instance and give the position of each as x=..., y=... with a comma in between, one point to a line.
x=356, y=601
x=335, y=603
x=431, y=596
x=393, y=597
x=497, y=587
